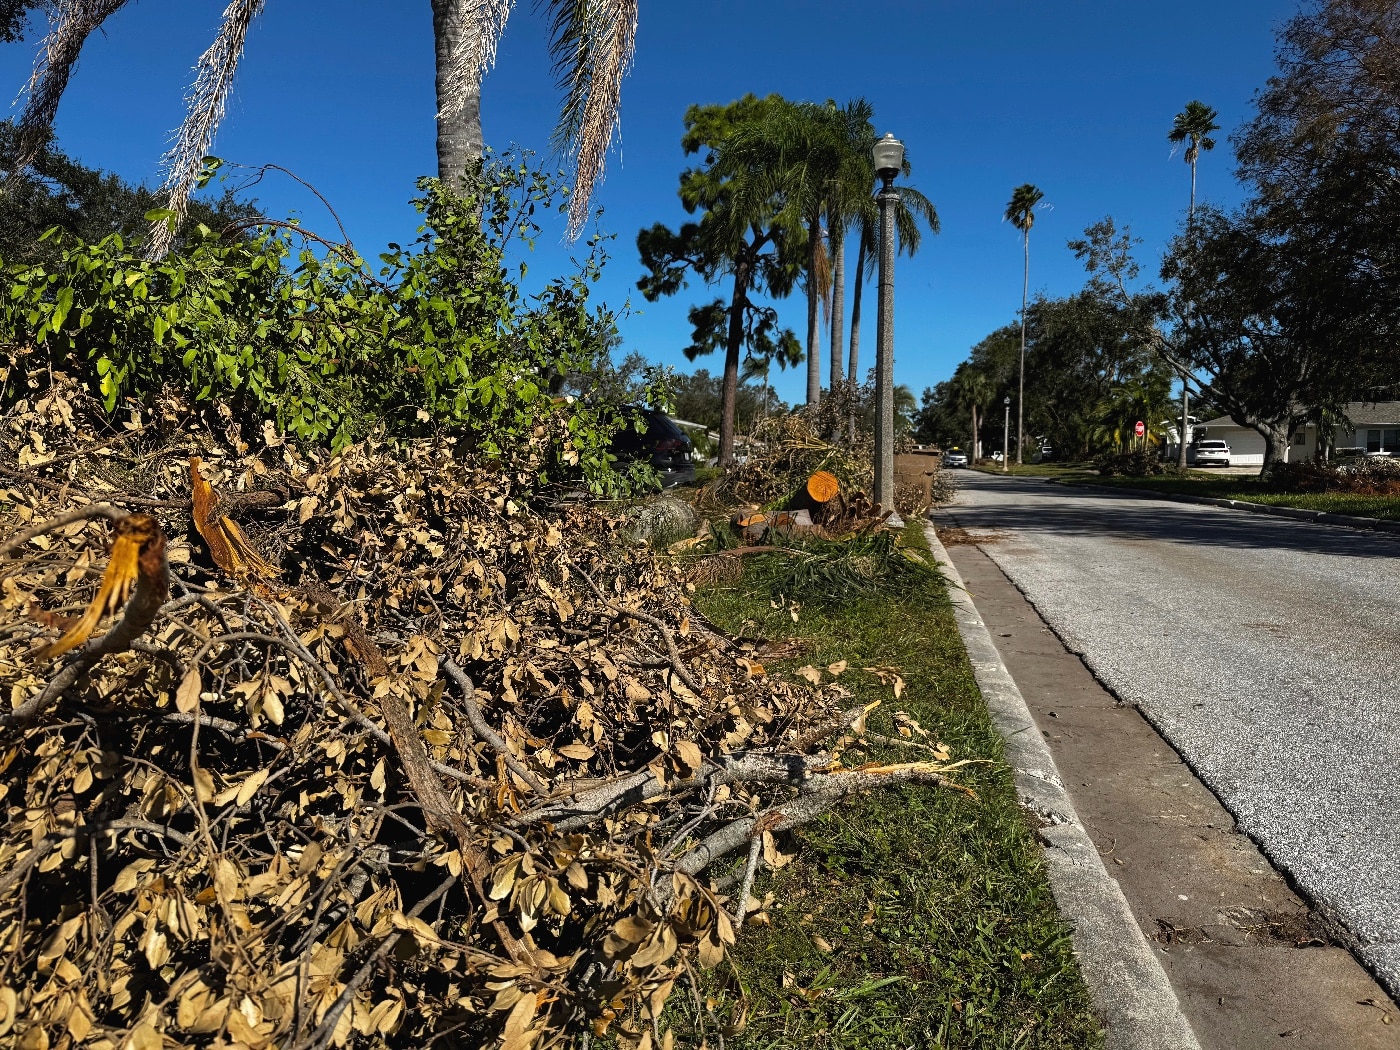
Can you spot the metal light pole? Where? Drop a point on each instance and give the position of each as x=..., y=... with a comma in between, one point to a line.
x=1006, y=438
x=889, y=161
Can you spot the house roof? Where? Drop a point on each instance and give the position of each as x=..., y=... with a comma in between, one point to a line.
x=1361, y=414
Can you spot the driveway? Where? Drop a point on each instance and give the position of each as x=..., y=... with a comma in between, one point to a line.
x=1267, y=652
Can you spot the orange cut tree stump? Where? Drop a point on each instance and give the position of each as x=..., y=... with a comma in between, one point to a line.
x=820, y=496
x=822, y=487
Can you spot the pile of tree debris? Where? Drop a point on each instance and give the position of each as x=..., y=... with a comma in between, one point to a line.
x=788, y=454
x=367, y=750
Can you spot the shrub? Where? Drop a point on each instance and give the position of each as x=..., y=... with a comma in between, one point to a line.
x=1372, y=476
x=439, y=338
x=1139, y=463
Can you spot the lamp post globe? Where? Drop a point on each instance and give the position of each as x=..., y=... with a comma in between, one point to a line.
x=888, y=156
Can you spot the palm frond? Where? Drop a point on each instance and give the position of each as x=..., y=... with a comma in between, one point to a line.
x=475, y=27
x=207, y=100
x=593, y=43
x=72, y=23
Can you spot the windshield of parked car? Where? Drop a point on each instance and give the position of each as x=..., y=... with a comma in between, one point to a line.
x=1212, y=446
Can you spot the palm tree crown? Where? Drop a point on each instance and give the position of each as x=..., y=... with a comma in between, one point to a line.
x=1193, y=126
x=1020, y=211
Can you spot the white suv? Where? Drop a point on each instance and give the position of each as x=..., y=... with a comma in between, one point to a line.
x=1210, y=454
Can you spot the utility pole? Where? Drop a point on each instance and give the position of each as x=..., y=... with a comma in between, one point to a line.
x=1006, y=438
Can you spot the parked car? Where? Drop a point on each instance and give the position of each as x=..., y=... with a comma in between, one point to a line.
x=955, y=457
x=662, y=442
x=1209, y=454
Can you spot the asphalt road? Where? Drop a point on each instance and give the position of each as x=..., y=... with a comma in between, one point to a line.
x=1267, y=651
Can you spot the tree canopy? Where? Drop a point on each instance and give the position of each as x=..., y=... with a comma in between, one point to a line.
x=742, y=234
x=58, y=192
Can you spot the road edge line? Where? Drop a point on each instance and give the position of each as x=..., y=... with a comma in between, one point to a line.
x=1124, y=976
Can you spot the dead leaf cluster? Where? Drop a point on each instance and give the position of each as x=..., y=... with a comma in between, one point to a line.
x=379, y=751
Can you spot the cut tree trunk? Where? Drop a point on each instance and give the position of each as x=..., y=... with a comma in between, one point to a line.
x=819, y=496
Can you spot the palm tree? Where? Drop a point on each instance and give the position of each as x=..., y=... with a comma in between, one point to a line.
x=813, y=154
x=743, y=233
x=1193, y=126
x=969, y=390
x=845, y=200
x=592, y=44
x=1020, y=212
x=913, y=211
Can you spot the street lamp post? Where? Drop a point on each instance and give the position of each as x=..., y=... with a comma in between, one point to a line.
x=889, y=161
x=1006, y=437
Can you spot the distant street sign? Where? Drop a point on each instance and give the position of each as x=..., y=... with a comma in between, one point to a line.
x=1139, y=429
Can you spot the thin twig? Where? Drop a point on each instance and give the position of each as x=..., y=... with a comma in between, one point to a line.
x=479, y=725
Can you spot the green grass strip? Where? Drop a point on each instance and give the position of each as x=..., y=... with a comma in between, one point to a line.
x=1251, y=490
x=915, y=917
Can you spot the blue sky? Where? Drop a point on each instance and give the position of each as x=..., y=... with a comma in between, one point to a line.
x=1074, y=95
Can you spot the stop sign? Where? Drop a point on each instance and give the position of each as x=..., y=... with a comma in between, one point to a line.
x=1139, y=429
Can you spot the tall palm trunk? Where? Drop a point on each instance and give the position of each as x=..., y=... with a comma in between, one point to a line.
x=976, y=436
x=459, y=142
x=1021, y=391
x=838, y=304
x=814, y=330
x=854, y=370
x=729, y=387
x=1191, y=213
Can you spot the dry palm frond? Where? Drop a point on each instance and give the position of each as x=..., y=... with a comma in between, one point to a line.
x=475, y=27
x=207, y=101
x=73, y=23
x=593, y=42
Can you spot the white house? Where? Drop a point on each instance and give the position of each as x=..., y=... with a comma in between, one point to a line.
x=1374, y=427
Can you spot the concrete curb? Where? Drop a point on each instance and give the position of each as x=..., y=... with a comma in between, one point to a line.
x=1124, y=976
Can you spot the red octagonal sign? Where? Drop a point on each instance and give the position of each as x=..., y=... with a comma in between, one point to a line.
x=1139, y=429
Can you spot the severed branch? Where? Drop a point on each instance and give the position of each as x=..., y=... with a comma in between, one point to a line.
x=580, y=809
x=139, y=552
x=677, y=663
x=818, y=795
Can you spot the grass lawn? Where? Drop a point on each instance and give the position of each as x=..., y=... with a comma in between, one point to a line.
x=1252, y=490
x=916, y=917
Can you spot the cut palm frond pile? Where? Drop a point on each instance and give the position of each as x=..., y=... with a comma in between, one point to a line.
x=364, y=750
x=865, y=565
